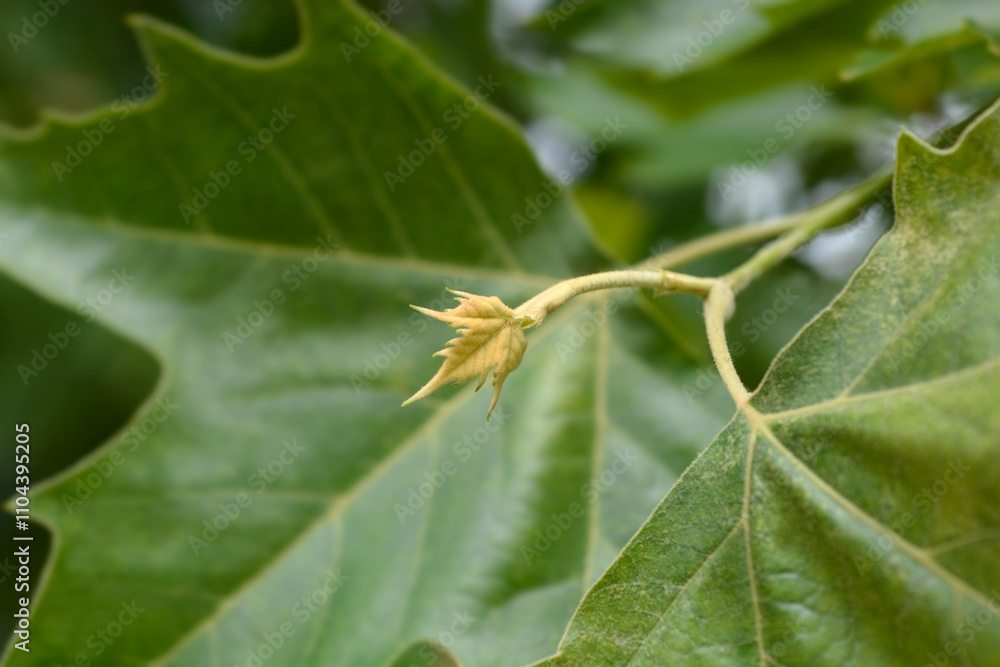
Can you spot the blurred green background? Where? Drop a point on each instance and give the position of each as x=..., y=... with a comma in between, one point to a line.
x=565, y=73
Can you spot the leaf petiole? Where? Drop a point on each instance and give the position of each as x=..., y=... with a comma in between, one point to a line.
x=836, y=211
x=533, y=312
x=490, y=332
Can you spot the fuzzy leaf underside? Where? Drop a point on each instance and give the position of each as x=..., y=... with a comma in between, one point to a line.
x=850, y=515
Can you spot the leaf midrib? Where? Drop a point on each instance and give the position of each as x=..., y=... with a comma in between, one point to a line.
x=758, y=424
x=852, y=399
x=270, y=250
x=917, y=553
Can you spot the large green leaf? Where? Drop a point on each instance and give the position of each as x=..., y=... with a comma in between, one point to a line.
x=849, y=515
x=278, y=317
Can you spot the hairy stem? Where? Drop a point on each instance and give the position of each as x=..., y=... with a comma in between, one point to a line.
x=718, y=293
x=721, y=302
x=842, y=208
x=794, y=230
x=718, y=308
x=534, y=311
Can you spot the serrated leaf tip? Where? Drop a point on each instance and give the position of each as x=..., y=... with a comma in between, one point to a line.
x=490, y=339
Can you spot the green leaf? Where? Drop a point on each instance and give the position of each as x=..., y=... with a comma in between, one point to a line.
x=659, y=152
x=912, y=29
x=645, y=34
x=685, y=57
x=271, y=483
x=74, y=59
x=849, y=514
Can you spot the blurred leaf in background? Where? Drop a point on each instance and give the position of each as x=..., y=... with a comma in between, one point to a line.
x=84, y=54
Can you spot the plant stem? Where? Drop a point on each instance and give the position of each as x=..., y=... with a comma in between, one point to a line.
x=719, y=241
x=795, y=229
x=734, y=238
x=534, y=311
x=719, y=293
x=718, y=308
x=720, y=303
x=840, y=209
